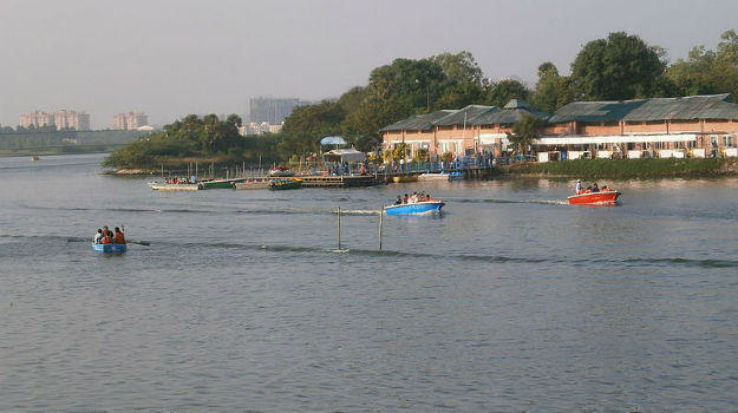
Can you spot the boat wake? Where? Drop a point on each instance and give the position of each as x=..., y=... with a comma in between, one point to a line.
x=492, y=259
x=509, y=201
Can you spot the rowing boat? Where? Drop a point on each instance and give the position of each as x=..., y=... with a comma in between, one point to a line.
x=417, y=208
x=120, y=248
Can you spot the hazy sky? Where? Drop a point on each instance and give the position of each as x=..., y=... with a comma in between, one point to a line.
x=173, y=57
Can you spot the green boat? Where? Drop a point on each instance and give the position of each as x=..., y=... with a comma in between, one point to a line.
x=285, y=183
x=220, y=183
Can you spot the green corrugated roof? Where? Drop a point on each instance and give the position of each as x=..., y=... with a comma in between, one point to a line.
x=514, y=112
x=594, y=111
x=467, y=114
x=684, y=108
x=418, y=122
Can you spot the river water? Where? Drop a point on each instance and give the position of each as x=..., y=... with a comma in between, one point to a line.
x=509, y=301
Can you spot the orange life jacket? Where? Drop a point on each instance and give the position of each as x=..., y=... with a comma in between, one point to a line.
x=119, y=238
x=106, y=240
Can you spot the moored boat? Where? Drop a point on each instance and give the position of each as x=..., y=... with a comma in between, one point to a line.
x=440, y=176
x=434, y=176
x=285, y=183
x=157, y=186
x=109, y=247
x=281, y=171
x=403, y=179
x=417, y=208
x=220, y=183
x=251, y=184
x=595, y=198
x=35, y=158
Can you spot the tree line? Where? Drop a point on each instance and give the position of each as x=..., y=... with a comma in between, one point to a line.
x=618, y=67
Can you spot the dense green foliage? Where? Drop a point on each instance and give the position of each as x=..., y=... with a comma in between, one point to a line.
x=206, y=139
x=49, y=141
x=709, y=71
x=395, y=91
x=620, y=66
x=525, y=132
x=624, y=168
x=617, y=68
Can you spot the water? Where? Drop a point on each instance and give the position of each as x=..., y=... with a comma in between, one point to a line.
x=510, y=301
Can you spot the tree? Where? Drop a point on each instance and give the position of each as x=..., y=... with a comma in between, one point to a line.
x=304, y=128
x=525, y=132
x=460, y=67
x=502, y=92
x=617, y=68
x=552, y=90
x=707, y=71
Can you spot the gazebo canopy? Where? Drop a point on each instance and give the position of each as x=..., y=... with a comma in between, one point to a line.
x=333, y=140
x=345, y=155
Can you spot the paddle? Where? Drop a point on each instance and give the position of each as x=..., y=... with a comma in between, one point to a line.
x=123, y=228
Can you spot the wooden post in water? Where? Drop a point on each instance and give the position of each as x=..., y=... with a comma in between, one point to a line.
x=381, y=215
x=339, y=227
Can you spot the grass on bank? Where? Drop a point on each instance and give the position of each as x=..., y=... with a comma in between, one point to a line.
x=627, y=168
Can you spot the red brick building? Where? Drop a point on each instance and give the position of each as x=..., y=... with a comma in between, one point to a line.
x=696, y=126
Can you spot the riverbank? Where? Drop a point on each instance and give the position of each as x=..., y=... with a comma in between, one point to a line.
x=625, y=168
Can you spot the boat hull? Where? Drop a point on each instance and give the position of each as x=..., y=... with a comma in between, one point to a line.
x=434, y=177
x=221, y=183
x=595, y=198
x=173, y=187
x=251, y=185
x=419, y=208
x=110, y=248
x=403, y=179
x=284, y=184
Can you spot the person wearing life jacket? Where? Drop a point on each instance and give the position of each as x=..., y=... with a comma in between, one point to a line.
x=106, y=239
x=119, y=238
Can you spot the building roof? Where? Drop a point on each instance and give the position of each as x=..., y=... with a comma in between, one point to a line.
x=654, y=109
x=465, y=115
x=513, y=112
x=418, y=122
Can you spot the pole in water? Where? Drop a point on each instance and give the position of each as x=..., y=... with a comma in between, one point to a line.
x=381, y=215
x=339, y=227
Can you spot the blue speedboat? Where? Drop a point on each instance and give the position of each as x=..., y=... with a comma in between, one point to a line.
x=109, y=247
x=417, y=208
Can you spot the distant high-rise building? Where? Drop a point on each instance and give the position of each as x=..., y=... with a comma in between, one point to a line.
x=62, y=119
x=130, y=120
x=69, y=119
x=272, y=110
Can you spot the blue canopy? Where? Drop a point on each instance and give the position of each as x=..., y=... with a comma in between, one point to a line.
x=333, y=140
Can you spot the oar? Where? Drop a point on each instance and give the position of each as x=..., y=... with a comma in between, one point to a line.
x=123, y=228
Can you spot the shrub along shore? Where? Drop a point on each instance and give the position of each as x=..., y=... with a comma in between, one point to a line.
x=626, y=168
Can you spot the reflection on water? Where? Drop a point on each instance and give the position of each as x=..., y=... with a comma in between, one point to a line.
x=511, y=300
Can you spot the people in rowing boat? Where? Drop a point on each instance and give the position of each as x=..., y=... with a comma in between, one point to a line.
x=106, y=236
x=119, y=238
x=98, y=236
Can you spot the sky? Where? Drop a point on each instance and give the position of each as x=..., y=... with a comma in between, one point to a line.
x=169, y=58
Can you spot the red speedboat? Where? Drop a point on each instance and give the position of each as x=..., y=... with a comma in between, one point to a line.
x=595, y=198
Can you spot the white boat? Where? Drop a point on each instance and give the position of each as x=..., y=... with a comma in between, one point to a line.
x=440, y=176
x=157, y=186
